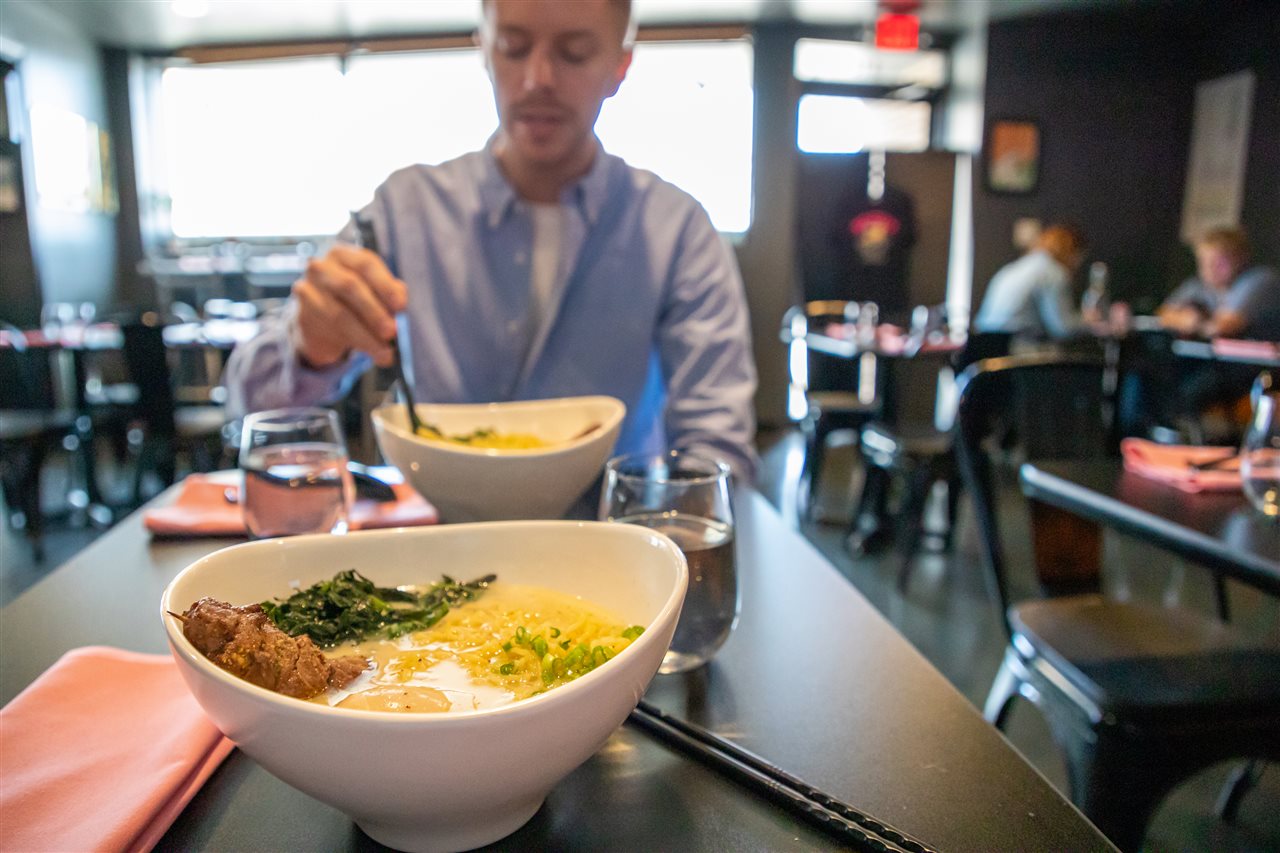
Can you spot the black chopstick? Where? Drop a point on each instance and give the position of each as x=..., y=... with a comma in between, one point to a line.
x=840, y=819
x=367, y=238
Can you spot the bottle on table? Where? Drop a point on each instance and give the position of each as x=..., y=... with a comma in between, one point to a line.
x=1096, y=297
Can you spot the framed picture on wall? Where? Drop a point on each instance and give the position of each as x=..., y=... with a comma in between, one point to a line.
x=1013, y=156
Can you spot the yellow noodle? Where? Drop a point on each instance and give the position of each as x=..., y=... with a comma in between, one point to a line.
x=496, y=641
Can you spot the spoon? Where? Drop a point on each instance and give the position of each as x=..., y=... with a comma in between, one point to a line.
x=367, y=238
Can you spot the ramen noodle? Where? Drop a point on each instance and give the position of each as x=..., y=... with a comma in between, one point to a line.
x=515, y=642
x=487, y=439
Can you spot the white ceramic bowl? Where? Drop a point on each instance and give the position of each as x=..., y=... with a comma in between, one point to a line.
x=459, y=780
x=472, y=484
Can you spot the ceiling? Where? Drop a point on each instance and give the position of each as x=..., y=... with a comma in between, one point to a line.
x=159, y=25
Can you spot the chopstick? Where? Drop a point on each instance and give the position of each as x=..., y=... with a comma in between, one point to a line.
x=367, y=238
x=839, y=819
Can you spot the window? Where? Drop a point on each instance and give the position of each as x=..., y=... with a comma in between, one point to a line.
x=685, y=112
x=858, y=98
x=824, y=61
x=257, y=149
x=836, y=124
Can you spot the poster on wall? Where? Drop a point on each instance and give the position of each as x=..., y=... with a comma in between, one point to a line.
x=1219, y=151
x=10, y=198
x=1013, y=156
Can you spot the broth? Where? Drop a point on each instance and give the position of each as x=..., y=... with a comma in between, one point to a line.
x=513, y=643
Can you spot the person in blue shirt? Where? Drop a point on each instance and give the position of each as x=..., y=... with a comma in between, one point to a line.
x=1229, y=297
x=1033, y=295
x=538, y=267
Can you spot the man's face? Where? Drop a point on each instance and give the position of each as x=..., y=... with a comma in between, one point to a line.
x=1216, y=267
x=552, y=64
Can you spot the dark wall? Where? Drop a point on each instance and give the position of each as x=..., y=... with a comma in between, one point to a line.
x=1249, y=37
x=19, y=290
x=1113, y=94
x=61, y=69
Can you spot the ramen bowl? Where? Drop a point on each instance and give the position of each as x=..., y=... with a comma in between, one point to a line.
x=439, y=781
x=487, y=484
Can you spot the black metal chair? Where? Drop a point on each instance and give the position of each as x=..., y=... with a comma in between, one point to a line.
x=826, y=410
x=32, y=425
x=1138, y=697
x=167, y=427
x=916, y=455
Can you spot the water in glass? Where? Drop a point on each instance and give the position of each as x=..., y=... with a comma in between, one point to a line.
x=711, y=604
x=295, y=488
x=295, y=473
x=686, y=497
x=1260, y=456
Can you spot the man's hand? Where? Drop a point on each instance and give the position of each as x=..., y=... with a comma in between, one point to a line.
x=347, y=301
x=1181, y=319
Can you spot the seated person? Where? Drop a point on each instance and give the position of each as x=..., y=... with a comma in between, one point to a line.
x=1228, y=298
x=538, y=267
x=1033, y=295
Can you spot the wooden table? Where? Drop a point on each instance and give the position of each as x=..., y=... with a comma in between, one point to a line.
x=1219, y=530
x=813, y=679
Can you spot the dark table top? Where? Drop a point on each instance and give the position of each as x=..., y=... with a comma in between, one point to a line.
x=813, y=679
x=1220, y=530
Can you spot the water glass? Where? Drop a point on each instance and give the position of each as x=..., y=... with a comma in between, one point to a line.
x=1260, y=456
x=686, y=497
x=295, y=473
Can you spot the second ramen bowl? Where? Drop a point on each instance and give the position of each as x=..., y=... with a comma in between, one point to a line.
x=468, y=483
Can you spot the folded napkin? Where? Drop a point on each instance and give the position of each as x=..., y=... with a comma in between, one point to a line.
x=1172, y=464
x=1240, y=348
x=102, y=752
x=202, y=509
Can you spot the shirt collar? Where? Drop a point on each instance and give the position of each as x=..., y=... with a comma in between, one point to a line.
x=588, y=193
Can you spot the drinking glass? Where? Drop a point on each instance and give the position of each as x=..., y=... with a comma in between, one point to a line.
x=295, y=473
x=1260, y=456
x=686, y=497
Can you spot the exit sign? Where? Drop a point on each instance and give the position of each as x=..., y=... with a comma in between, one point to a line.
x=898, y=32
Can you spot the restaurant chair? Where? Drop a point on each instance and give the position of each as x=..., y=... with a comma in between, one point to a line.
x=1138, y=697
x=916, y=456
x=32, y=425
x=825, y=411
x=167, y=427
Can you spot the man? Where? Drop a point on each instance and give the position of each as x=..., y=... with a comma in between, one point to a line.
x=1033, y=294
x=538, y=267
x=1228, y=299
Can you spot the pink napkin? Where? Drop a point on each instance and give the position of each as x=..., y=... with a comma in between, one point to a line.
x=1241, y=348
x=102, y=752
x=202, y=509
x=1171, y=463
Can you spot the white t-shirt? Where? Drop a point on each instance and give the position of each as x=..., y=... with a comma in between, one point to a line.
x=544, y=273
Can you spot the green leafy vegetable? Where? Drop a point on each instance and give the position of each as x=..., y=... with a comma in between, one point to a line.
x=350, y=607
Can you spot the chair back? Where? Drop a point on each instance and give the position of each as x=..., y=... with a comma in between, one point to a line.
x=26, y=374
x=980, y=345
x=148, y=365
x=811, y=371
x=1060, y=411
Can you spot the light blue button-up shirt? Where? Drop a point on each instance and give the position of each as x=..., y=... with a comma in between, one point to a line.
x=648, y=306
x=1031, y=295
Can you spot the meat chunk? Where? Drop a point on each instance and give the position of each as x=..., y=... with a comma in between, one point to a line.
x=244, y=641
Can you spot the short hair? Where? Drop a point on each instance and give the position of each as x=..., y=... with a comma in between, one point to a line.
x=1062, y=241
x=620, y=7
x=1231, y=242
